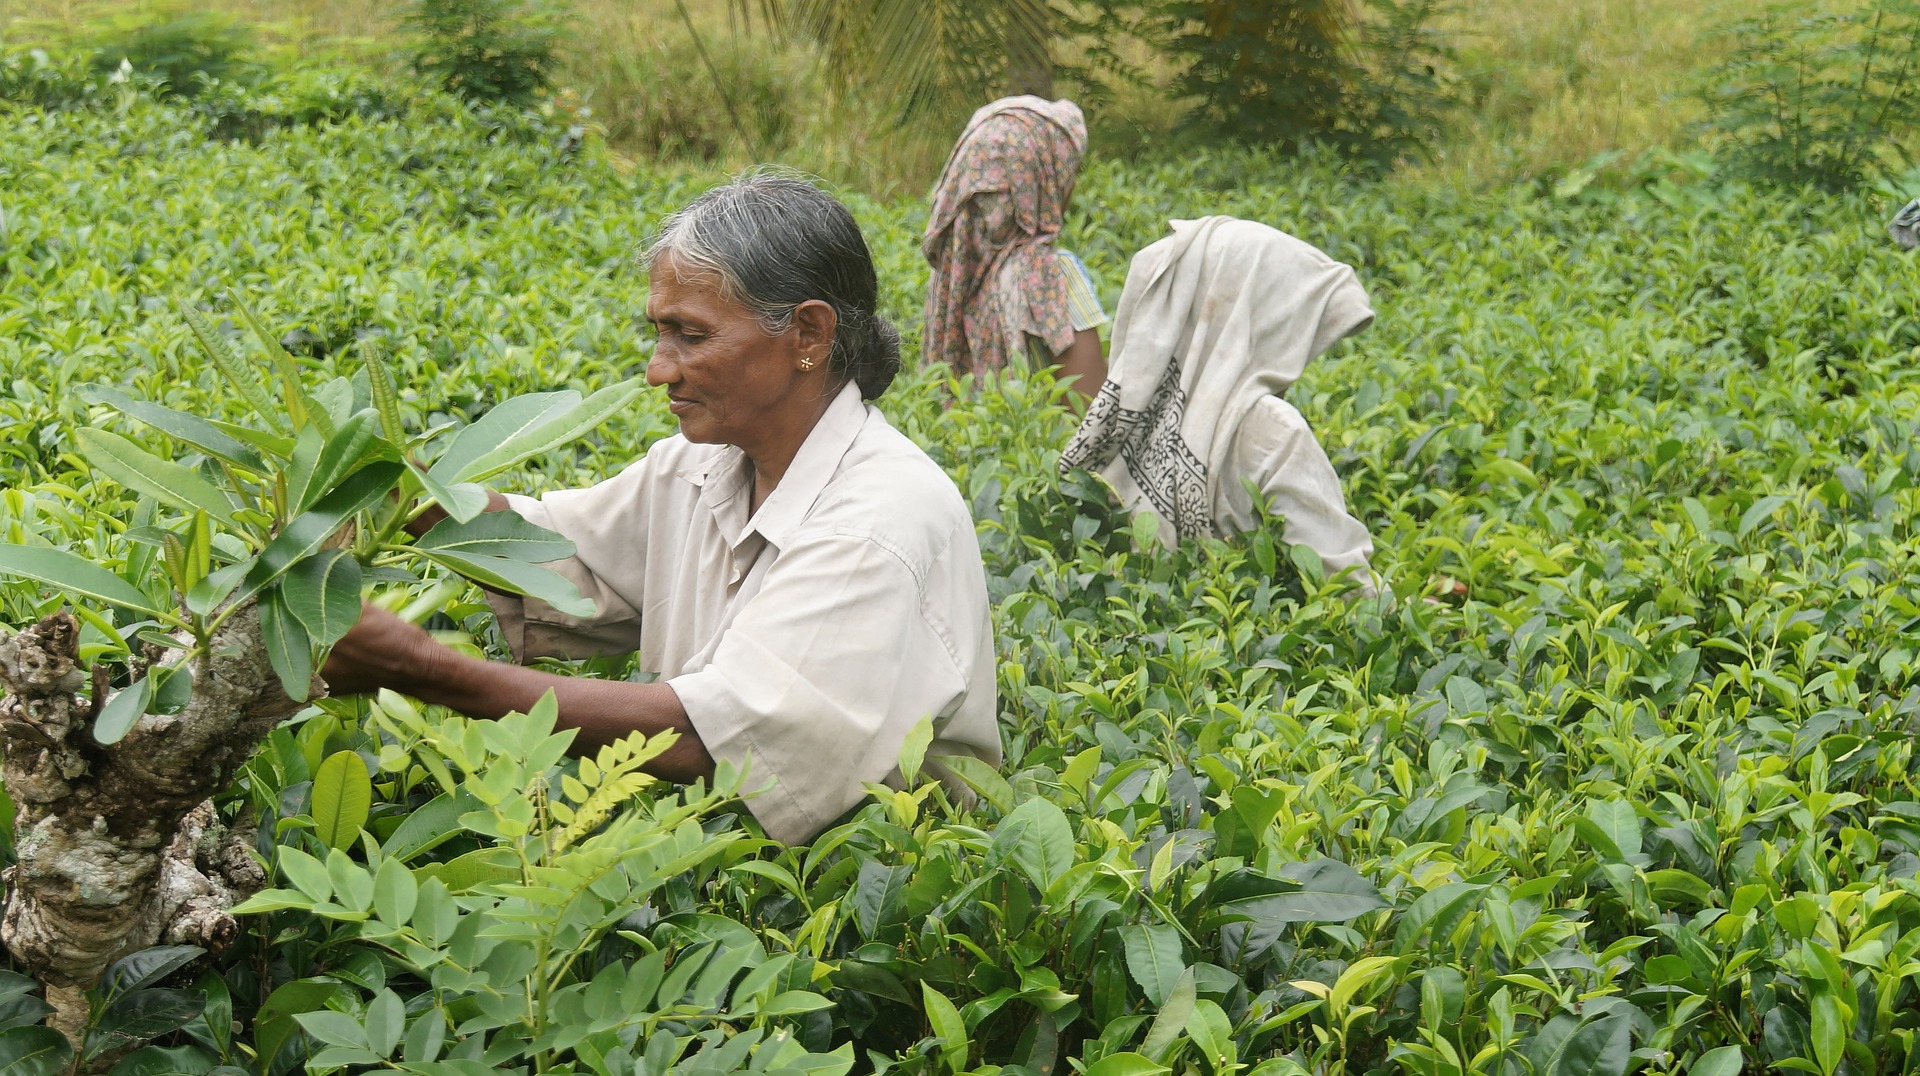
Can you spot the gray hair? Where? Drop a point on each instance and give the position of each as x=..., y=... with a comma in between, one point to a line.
x=774, y=242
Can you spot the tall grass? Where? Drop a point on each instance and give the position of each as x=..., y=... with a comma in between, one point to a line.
x=1551, y=84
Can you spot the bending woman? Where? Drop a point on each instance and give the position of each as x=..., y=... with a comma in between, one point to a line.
x=803, y=579
x=1216, y=322
x=1000, y=288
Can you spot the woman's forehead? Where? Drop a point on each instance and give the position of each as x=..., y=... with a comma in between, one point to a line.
x=677, y=290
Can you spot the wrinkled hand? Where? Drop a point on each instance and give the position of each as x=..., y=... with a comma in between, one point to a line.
x=382, y=650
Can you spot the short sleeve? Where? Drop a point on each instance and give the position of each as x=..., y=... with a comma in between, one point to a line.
x=607, y=525
x=819, y=680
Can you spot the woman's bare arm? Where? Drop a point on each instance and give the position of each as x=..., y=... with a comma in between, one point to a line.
x=383, y=650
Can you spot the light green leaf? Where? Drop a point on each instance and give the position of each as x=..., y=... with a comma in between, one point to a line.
x=1126, y=1063
x=913, y=750
x=323, y=593
x=122, y=711
x=516, y=577
x=498, y=534
x=395, y=891
x=74, y=575
x=1724, y=1061
x=1165, y=1032
x=945, y=1021
x=342, y=797
x=143, y=472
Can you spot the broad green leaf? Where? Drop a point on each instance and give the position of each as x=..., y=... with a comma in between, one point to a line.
x=143, y=1014
x=323, y=593
x=123, y=711
x=395, y=891
x=462, y=500
x=424, y=829
x=497, y=534
x=1154, y=958
x=342, y=797
x=143, y=472
x=74, y=575
x=386, y=1021
x=1164, y=1034
x=529, y=432
x=288, y=649
x=1602, y=1046
x=945, y=1021
x=913, y=749
x=1615, y=828
x=1038, y=839
x=1126, y=1063
x=506, y=420
x=516, y=577
x=1321, y=891
x=166, y=1061
x=982, y=777
x=190, y=429
x=146, y=967
x=277, y=1022
x=34, y=1051
x=1724, y=1061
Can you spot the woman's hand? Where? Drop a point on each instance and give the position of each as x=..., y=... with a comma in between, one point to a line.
x=382, y=650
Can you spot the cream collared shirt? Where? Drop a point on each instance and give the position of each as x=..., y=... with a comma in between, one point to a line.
x=804, y=640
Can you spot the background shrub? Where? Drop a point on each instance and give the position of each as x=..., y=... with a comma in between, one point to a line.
x=185, y=50
x=487, y=50
x=1828, y=100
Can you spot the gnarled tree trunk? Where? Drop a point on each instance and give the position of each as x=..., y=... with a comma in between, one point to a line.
x=119, y=847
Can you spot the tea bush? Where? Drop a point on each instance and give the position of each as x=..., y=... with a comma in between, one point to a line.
x=1640, y=800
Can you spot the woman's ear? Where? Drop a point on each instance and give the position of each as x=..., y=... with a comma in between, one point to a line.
x=814, y=324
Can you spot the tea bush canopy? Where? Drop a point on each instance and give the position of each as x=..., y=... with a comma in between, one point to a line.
x=1641, y=799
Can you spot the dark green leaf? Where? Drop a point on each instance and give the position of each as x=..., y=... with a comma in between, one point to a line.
x=143, y=1014
x=1154, y=958
x=34, y=1051
x=146, y=967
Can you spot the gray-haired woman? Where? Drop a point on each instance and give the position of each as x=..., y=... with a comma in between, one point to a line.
x=803, y=579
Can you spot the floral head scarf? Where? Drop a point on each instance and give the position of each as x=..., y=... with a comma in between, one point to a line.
x=996, y=210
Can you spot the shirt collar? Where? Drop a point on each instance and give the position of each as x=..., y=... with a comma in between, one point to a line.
x=726, y=485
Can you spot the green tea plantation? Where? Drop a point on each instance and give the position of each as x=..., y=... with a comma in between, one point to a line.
x=1634, y=792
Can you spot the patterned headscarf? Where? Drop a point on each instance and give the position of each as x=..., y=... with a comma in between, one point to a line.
x=996, y=210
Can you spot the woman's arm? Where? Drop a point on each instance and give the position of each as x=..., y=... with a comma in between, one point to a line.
x=1084, y=361
x=384, y=651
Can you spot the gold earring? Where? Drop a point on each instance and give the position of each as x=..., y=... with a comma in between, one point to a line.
x=806, y=363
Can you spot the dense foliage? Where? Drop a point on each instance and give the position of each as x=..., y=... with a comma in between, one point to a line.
x=1641, y=800
x=1829, y=98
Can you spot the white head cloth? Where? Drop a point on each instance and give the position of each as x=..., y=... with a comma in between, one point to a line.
x=1214, y=317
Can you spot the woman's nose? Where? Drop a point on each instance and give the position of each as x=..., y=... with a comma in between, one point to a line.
x=661, y=370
